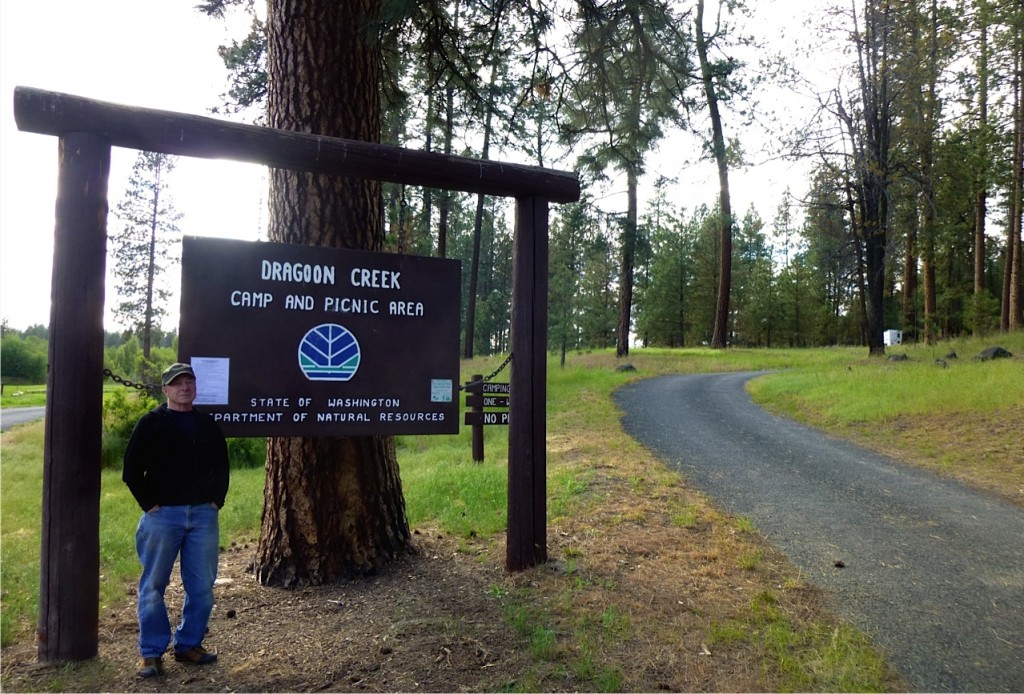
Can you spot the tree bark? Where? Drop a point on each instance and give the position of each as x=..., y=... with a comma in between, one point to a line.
x=720, y=335
x=629, y=232
x=910, y=283
x=1012, y=314
x=981, y=193
x=478, y=222
x=873, y=165
x=927, y=199
x=333, y=506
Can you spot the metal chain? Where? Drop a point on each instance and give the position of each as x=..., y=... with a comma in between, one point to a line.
x=501, y=367
x=148, y=387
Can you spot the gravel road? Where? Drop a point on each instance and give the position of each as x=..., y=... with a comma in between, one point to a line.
x=19, y=415
x=931, y=570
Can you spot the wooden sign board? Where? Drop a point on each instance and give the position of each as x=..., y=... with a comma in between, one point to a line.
x=486, y=418
x=290, y=340
x=487, y=387
x=475, y=400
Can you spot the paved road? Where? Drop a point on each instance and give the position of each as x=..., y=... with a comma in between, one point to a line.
x=934, y=571
x=19, y=415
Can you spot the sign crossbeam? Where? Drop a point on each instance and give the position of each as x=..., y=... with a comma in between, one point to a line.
x=153, y=130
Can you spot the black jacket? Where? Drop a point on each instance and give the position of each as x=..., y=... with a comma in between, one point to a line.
x=165, y=466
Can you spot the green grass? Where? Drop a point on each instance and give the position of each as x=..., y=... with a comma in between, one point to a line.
x=443, y=485
x=35, y=395
x=811, y=658
x=23, y=396
x=21, y=485
x=871, y=390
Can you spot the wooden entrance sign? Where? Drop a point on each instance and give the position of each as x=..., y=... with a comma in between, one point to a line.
x=88, y=129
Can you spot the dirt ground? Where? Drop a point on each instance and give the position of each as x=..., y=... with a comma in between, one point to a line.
x=438, y=621
x=424, y=624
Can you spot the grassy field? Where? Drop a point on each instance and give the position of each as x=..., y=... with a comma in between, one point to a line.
x=23, y=396
x=959, y=417
x=34, y=395
x=614, y=510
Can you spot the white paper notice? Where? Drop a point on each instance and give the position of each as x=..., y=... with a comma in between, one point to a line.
x=211, y=379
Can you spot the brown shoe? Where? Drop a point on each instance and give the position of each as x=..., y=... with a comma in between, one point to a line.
x=197, y=655
x=151, y=667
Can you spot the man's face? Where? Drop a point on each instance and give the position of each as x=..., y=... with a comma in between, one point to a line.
x=180, y=392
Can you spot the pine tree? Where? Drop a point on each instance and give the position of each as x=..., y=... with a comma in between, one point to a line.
x=626, y=86
x=141, y=250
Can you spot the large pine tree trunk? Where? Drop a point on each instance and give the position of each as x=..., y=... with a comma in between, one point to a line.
x=478, y=223
x=928, y=263
x=1012, y=317
x=874, y=261
x=629, y=232
x=927, y=199
x=910, y=284
x=333, y=507
x=720, y=334
x=981, y=193
x=874, y=166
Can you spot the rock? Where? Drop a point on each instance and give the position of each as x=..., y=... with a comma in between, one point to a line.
x=899, y=357
x=993, y=353
x=625, y=367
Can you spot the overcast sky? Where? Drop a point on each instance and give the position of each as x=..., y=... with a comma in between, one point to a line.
x=137, y=52
x=163, y=55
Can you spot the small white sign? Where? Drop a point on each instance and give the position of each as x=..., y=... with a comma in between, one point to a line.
x=440, y=390
x=211, y=380
x=892, y=337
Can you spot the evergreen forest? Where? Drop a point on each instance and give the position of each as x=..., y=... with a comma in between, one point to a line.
x=909, y=217
x=905, y=117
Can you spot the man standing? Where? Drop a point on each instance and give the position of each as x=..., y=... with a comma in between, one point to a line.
x=176, y=466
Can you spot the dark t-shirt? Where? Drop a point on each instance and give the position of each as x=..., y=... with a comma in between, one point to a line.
x=187, y=421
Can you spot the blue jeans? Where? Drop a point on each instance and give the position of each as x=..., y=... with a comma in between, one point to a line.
x=163, y=534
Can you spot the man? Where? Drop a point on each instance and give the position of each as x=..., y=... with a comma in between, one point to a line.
x=176, y=466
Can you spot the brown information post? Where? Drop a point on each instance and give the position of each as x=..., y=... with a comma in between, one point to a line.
x=88, y=129
x=481, y=397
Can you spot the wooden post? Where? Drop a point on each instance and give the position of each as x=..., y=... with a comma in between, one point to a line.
x=70, y=559
x=527, y=452
x=477, y=430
